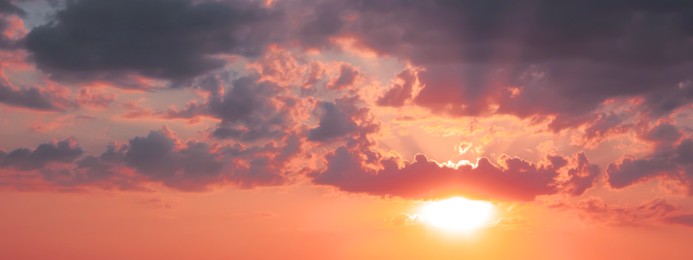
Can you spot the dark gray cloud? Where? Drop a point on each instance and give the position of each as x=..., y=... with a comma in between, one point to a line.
x=342, y=119
x=7, y=7
x=252, y=109
x=89, y=171
x=64, y=151
x=582, y=176
x=167, y=39
x=31, y=98
x=672, y=157
x=249, y=108
x=563, y=58
x=663, y=133
x=158, y=157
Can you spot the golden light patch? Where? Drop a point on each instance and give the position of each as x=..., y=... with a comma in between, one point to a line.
x=457, y=214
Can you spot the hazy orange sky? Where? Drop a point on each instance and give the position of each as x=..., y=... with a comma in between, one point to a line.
x=325, y=129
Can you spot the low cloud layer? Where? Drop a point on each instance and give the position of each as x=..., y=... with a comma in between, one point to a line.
x=357, y=171
x=64, y=151
x=158, y=157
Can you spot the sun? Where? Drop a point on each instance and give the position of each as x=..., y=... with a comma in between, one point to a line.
x=457, y=214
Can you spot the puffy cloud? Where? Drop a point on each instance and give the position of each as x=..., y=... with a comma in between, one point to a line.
x=31, y=98
x=64, y=151
x=158, y=157
x=355, y=169
x=167, y=39
x=249, y=108
x=196, y=165
x=630, y=171
x=342, y=119
x=252, y=109
x=672, y=156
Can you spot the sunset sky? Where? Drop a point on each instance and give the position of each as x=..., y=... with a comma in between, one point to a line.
x=346, y=129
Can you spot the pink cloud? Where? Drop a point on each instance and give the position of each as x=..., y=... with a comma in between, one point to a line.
x=355, y=169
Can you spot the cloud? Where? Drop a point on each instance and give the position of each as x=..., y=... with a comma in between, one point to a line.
x=159, y=157
x=252, y=109
x=249, y=108
x=26, y=159
x=194, y=166
x=582, y=177
x=671, y=157
x=342, y=118
x=663, y=133
x=401, y=90
x=354, y=169
x=166, y=39
x=358, y=166
x=31, y=98
x=536, y=58
x=347, y=77
x=156, y=157
x=7, y=9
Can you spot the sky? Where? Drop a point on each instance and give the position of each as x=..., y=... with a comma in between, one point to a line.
x=324, y=129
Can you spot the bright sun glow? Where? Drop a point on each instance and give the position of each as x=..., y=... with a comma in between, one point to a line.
x=457, y=214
